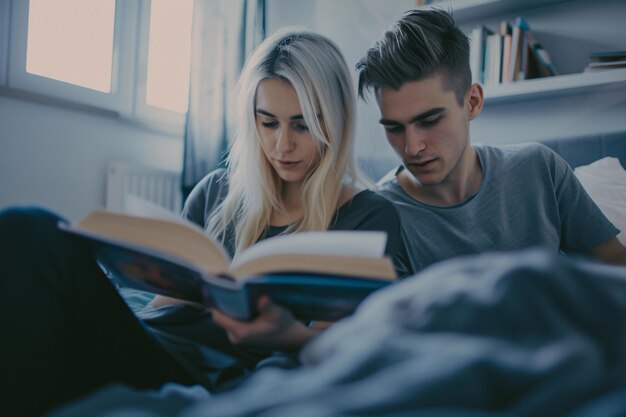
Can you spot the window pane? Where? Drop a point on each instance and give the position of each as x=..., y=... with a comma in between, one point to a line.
x=169, y=53
x=72, y=41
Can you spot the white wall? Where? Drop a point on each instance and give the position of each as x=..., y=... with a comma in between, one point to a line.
x=57, y=157
x=569, y=31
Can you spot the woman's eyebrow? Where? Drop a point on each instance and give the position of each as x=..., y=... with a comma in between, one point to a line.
x=268, y=114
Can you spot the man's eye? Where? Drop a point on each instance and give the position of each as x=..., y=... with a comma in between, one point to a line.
x=270, y=125
x=393, y=129
x=430, y=122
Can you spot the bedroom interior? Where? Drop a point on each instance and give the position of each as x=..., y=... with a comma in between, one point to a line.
x=41, y=135
x=73, y=155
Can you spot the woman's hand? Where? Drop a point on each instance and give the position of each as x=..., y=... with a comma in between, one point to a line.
x=274, y=328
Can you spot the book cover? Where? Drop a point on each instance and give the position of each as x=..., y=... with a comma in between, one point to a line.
x=606, y=60
x=608, y=56
x=478, y=39
x=604, y=66
x=506, y=31
x=317, y=275
x=493, y=59
x=519, y=49
x=307, y=296
x=539, y=61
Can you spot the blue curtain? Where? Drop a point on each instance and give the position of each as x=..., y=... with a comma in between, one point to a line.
x=224, y=33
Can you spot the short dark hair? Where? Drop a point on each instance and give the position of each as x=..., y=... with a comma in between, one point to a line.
x=422, y=43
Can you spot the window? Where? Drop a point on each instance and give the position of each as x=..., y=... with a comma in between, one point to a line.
x=130, y=57
x=71, y=41
x=164, y=60
x=169, y=49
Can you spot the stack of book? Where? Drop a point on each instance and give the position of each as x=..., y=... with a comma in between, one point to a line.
x=509, y=54
x=601, y=61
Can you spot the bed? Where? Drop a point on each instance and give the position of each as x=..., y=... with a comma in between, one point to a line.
x=528, y=333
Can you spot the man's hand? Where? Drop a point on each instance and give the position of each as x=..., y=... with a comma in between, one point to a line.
x=274, y=328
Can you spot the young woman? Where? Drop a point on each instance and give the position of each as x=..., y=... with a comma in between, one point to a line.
x=290, y=169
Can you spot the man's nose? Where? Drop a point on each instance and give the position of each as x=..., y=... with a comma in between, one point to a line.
x=414, y=142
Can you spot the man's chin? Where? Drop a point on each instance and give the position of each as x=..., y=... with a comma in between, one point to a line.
x=425, y=179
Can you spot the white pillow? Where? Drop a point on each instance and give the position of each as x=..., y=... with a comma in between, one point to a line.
x=605, y=181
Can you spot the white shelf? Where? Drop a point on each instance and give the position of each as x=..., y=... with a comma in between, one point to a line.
x=551, y=87
x=466, y=10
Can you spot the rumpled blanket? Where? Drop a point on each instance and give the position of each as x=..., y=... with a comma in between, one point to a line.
x=529, y=333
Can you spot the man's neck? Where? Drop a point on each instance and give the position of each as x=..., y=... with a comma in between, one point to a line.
x=462, y=183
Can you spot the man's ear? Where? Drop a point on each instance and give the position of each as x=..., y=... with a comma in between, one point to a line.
x=474, y=101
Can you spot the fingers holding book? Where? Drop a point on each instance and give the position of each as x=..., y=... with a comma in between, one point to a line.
x=274, y=327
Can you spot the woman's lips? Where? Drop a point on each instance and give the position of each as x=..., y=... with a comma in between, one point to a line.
x=287, y=165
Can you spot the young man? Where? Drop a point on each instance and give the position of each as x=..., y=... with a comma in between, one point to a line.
x=455, y=199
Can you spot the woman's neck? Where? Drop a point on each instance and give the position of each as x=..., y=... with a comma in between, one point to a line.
x=293, y=210
x=292, y=207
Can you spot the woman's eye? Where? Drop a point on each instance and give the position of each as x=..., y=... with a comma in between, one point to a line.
x=269, y=125
x=301, y=128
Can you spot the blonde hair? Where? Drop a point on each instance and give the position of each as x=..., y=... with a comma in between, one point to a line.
x=316, y=69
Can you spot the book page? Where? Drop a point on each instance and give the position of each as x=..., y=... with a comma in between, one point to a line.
x=366, y=244
x=182, y=239
x=322, y=265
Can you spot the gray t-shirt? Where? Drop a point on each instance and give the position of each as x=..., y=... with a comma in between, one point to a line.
x=529, y=197
x=367, y=210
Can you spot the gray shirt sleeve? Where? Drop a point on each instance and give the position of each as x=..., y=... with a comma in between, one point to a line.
x=583, y=225
x=205, y=197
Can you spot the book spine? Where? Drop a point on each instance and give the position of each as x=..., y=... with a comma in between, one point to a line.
x=477, y=51
x=518, y=49
x=506, y=58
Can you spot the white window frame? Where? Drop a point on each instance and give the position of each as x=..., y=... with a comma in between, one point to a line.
x=5, y=22
x=129, y=74
x=118, y=100
x=142, y=110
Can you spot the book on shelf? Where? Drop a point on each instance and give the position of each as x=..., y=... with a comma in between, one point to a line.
x=604, y=66
x=608, y=56
x=519, y=49
x=493, y=59
x=506, y=32
x=539, y=62
x=316, y=275
x=606, y=60
x=511, y=53
x=478, y=40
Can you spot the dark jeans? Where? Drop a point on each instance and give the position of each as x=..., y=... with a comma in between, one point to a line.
x=65, y=330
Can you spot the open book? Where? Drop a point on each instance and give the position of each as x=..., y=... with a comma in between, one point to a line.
x=317, y=275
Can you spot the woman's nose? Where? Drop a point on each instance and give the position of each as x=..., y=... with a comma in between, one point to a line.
x=284, y=142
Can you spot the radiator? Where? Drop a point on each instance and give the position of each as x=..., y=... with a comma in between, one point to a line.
x=157, y=186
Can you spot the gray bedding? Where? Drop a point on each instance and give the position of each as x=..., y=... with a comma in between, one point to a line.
x=519, y=334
